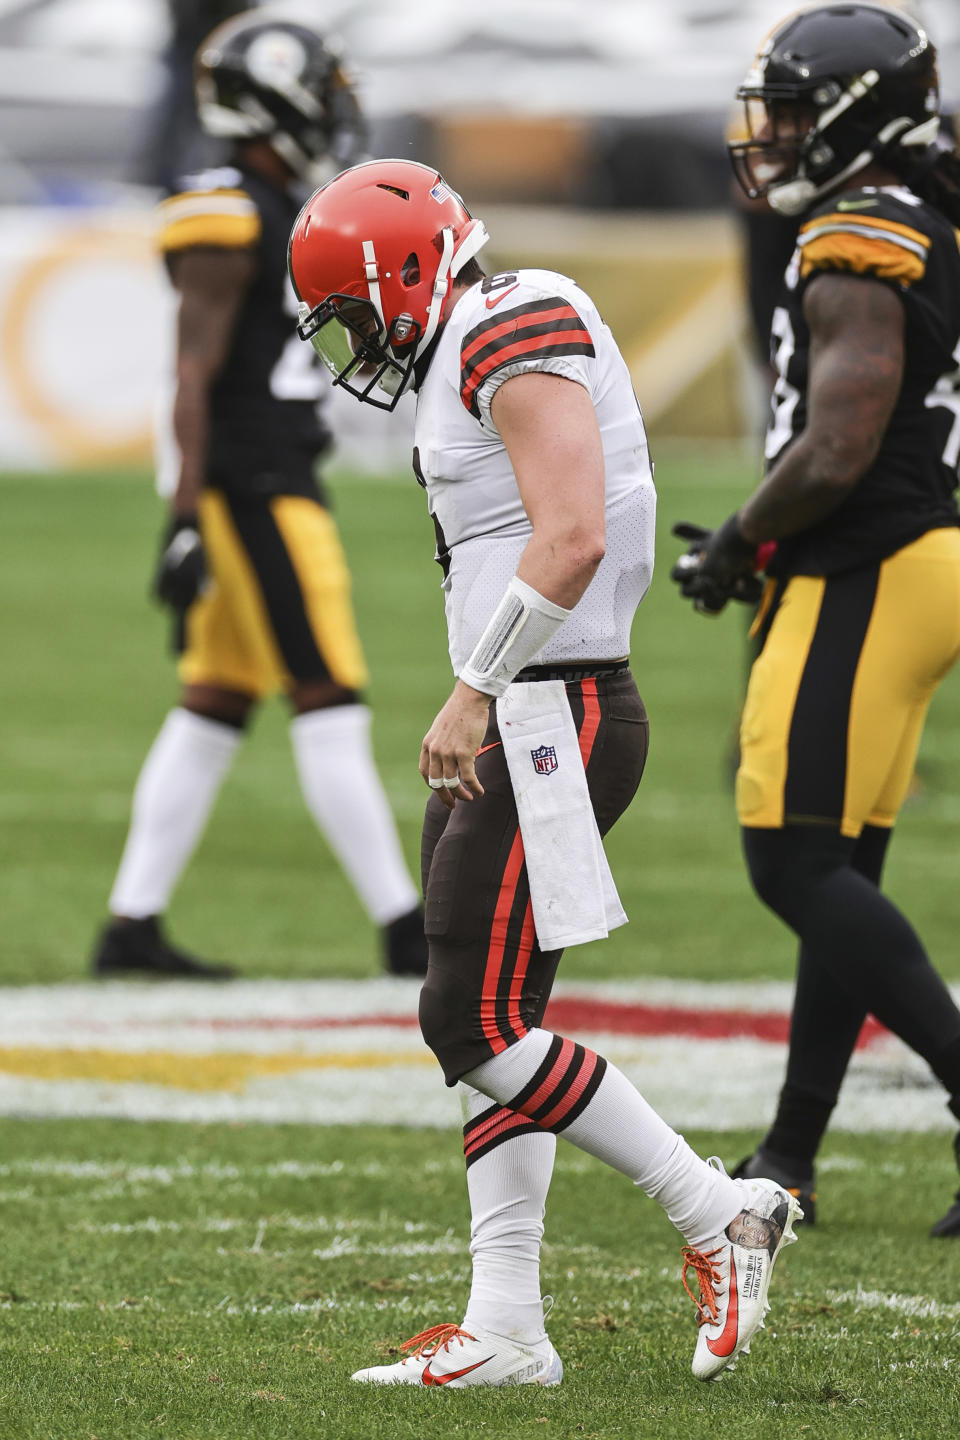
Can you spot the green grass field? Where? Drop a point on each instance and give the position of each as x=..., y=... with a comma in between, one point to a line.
x=89, y=677
x=193, y=1282
x=223, y=1281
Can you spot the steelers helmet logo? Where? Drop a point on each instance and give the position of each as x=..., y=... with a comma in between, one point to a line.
x=275, y=58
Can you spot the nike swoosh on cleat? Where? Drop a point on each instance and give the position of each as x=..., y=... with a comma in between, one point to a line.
x=429, y=1379
x=726, y=1341
x=502, y=296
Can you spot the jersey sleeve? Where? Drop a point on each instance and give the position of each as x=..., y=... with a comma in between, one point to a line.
x=222, y=218
x=542, y=334
x=863, y=235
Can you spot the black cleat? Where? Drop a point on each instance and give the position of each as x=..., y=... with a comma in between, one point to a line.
x=405, y=945
x=949, y=1224
x=795, y=1177
x=138, y=947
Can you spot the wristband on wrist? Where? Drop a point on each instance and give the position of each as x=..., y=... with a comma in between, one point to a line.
x=520, y=626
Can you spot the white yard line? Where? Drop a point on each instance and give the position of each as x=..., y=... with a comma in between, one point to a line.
x=918, y=1307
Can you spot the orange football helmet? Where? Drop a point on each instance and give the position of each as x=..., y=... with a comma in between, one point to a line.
x=373, y=256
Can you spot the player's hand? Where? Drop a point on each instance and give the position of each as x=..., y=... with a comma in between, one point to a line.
x=719, y=565
x=181, y=571
x=449, y=750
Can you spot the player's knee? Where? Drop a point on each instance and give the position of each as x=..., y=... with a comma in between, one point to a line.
x=226, y=707
x=445, y=1019
x=308, y=695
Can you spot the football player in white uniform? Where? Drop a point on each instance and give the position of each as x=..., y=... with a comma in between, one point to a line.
x=532, y=451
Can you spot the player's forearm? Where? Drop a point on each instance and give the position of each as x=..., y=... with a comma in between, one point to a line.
x=561, y=563
x=191, y=430
x=809, y=483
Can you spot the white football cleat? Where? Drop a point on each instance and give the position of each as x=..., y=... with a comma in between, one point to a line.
x=448, y=1355
x=734, y=1275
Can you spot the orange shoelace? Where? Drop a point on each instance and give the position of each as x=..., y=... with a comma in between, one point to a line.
x=708, y=1276
x=438, y=1337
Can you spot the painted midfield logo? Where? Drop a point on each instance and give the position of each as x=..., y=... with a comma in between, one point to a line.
x=544, y=759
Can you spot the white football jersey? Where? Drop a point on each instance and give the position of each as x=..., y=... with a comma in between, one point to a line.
x=501, y=327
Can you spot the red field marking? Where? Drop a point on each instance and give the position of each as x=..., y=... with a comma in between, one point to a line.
x=573, y=1014
x=611, y=1017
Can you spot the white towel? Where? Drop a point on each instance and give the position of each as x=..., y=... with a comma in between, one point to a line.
x=572, y=892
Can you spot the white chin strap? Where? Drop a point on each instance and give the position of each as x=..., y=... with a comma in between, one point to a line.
x=440, y=285
x=795, y=196
x=450, y=266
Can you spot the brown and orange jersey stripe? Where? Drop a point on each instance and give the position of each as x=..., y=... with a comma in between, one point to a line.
x=538, y=330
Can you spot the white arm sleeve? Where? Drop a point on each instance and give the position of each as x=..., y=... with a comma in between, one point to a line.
x=520, y=626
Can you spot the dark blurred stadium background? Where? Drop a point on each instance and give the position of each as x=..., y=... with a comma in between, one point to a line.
x=589, y=135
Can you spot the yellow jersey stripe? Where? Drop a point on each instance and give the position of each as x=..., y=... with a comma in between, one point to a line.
x=863, y=222
x=194, y=202
x=226, y=218
x=861, y=255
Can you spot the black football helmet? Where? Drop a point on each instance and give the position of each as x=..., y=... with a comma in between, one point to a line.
x=833, y=89
x=259, y=75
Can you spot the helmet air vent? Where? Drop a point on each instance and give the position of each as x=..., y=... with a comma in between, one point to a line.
x=395, y=190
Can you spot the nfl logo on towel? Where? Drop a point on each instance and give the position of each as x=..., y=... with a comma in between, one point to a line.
x=544, y=759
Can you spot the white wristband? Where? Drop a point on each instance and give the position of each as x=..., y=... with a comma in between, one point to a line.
x=520, y=626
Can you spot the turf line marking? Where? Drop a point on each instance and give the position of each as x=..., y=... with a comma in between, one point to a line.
x=348, y=1052
x=566, y=1013
x=920, y=1307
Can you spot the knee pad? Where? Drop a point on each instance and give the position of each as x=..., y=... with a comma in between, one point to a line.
x=446, y=1020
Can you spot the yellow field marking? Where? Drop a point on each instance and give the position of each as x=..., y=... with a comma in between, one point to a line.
x=221, y=1070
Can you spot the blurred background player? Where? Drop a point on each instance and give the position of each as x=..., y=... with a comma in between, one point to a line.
x=251, y=561
x=861, y=619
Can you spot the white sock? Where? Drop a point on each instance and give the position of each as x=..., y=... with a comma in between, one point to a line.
x=548, y=1078
x=507, y=1181
x=175, y=792
x=345, y=796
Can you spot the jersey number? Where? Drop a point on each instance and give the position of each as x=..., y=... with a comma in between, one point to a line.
x=785, y=395
x=946, y=392
x=498, y=282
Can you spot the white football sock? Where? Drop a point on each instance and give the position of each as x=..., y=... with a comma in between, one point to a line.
x=175, y=792
x=617, y=1126
x=508, y=1190
x=345, y=796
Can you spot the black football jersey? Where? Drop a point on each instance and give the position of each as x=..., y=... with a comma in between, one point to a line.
x=265, y=427
x=888, y=235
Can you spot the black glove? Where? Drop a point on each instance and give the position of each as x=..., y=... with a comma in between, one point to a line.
x=719, y=565
x=181, y=570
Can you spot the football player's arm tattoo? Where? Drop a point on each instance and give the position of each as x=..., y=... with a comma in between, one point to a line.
x=856, y=370
x=212, y=284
